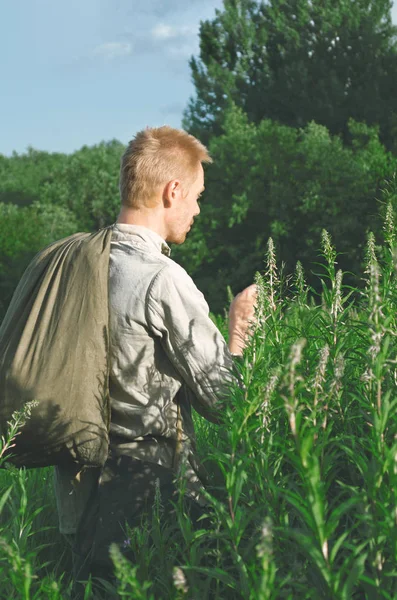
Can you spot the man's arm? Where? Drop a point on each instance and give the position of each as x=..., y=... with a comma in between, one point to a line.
x=178, y=313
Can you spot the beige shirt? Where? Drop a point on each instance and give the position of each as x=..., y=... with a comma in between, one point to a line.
x=161, y=338
x=165, y=351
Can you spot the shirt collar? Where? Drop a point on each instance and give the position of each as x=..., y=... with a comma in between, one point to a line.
x=147, y=235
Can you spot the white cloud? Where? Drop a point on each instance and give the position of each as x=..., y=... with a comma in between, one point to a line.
x=167, y=32
x=164, y=8
x=112, y=50
x=178, y=41
x=183, y=51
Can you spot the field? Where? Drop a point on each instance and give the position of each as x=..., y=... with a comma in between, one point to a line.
x=303, y=472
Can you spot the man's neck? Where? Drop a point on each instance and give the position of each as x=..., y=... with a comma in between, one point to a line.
x=146, y=218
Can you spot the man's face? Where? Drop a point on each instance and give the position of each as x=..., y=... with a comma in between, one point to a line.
x=184, y=209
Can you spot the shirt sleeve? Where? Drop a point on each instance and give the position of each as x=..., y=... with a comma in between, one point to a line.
x=178, y=313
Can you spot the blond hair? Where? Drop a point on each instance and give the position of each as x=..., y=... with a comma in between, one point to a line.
x=156, y=156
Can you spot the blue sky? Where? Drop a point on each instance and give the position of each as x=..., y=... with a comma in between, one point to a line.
x=82, y=71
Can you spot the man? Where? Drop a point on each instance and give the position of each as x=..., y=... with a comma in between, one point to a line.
x=166, y=353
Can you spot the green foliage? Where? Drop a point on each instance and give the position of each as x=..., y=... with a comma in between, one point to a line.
x=273, y=180
x=45, y=197
x=294, y=100
x=296, y=62
x=302, y=490
x=23, y=541
x=86, y=183
x=23, y=176
x=24, y=230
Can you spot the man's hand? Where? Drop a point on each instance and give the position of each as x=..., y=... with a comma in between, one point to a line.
x=241, y=315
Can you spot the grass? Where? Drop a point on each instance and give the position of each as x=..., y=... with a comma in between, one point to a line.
x=303, y=472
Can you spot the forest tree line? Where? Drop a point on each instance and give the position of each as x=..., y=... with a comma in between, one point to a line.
x=297, y=103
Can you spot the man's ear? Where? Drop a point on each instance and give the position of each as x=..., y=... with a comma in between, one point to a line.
x=167, y=195
x=171, y=191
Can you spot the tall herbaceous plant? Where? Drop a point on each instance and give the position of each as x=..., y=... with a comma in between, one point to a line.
x=301, y=475
x=307, y=459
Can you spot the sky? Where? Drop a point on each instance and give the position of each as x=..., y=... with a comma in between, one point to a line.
x=79, y=72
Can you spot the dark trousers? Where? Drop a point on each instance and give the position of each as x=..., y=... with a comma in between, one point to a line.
x=125, y=492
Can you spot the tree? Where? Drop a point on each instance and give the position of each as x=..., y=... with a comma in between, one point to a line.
x=24, y=230
x=46, y=196
x=287, y=183
x=22, y=176
x=297, y=61
x=85, y=182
